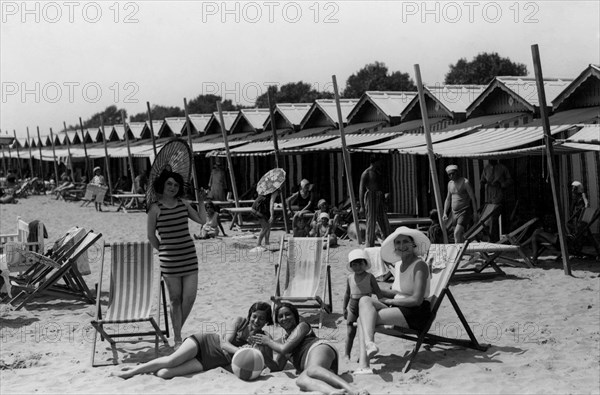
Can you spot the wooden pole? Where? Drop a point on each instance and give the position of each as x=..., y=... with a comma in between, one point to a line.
x=69, y=152
x=430, y=154
x=271, y=102
x=130, y=159
x=40, y=150
x=539, y=79
x=347, y=164
x=30, y=154
x=18, y=155
x=54, y=157
x=229, y=162
x=88, y=169
x=3, y=160
x=152, y=130
x=107, y=161
x=188, y=123
x=9, y=156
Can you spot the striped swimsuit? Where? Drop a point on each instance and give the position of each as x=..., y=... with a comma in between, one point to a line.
x=177, y=252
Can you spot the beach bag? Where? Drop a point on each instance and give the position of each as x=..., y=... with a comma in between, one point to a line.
x=72, y=236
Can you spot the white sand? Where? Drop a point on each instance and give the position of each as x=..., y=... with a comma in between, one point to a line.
x=544, y=327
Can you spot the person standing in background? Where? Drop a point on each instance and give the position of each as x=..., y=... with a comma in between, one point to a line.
x=371, y=200
x=495, y=178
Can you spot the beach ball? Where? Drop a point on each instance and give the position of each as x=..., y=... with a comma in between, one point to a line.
x=247, y=363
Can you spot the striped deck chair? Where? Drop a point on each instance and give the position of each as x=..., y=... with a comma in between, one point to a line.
x=307, y=281
x=132, y=287
x=61, y=268
x=443, y=261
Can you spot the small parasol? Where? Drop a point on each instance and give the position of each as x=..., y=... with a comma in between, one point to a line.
x=174, y=156
x=271, y=181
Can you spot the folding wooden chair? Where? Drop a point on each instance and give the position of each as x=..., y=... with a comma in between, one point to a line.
x=443, y=260
x=578, y=235
x=132, y=288
x=307, y=272
x=474, y=232
x=515, y=238
x=46, y=280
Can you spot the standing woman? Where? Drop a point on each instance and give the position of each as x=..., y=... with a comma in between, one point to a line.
x=177, y=253
x=98, y=179
x=263, y=209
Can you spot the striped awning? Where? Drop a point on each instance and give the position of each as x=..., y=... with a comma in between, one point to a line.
x=482, y=143
x=352, y=140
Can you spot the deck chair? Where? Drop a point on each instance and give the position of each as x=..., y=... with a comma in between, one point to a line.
x=515, y=238
x=307, y=281
x=132, y=289
x=475, y=231
x=65, y=269
x=88, y=197
x=578, y=235
x=443, y=260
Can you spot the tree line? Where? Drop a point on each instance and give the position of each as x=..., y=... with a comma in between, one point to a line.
x=372, y=77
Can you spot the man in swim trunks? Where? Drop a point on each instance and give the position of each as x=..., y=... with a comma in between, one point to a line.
x=462, y=200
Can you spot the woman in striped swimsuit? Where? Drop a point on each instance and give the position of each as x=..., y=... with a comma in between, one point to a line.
x=177, y=253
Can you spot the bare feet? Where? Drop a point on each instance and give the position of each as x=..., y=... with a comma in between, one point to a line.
x=125, y=373
x=372, y=349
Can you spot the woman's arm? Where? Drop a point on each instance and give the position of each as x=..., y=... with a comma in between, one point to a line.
x=418, y=295
x=586, y=202
x=346, y=298
x=272, y=206
x=230, y=336
x=292, y=341
x=274, y=364
x=151, y=226
x=197, y=216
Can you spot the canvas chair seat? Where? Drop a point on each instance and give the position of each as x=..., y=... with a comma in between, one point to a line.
x=307, y=281
x=133, y=287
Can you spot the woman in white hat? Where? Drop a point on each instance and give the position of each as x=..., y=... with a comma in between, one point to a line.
x=579, y=201
x=410, y=306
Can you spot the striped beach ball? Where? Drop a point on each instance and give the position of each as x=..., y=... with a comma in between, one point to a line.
x=247, y=363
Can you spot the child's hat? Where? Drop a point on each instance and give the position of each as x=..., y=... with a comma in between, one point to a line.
x=358, y=254
x=323, y=215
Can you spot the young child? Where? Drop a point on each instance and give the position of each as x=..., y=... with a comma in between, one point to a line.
x=211, y=228
x=360, y=283
x=323, y=228
x=435, y=230
x=300, y=226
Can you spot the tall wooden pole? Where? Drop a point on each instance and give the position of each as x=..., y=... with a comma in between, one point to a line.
x=18, y=155
x=276, y=147
x=106, y=161
x=347, y=164
x=3, y=160
x=54, y=157
x=30, y=155
x=88, y=169
x=432, y=169
x=130, y=159
x=188, y=123
x=229, y=162
x=40, y=151
x=152, y=129
x=10, y=167
x=539, y=79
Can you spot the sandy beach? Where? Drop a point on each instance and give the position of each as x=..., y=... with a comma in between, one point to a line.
x=543, y=326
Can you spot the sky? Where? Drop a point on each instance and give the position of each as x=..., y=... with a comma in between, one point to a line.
x=61, y=60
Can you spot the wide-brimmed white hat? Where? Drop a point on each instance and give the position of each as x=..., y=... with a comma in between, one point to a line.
x=451, y=168
x=323, y=215
x=388, y=251
x=358, y=254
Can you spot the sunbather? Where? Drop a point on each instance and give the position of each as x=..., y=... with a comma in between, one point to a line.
x=205, y=350
x=314, y=359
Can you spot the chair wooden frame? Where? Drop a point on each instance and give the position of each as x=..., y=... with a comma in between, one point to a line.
x=306, y=300
x=133, y=302
x=440, y=290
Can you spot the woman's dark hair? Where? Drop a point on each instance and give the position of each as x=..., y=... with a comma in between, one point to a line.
x=159, y=183
x=292, y=308
x=210, y=204
x=261, y=306
x=433, y=215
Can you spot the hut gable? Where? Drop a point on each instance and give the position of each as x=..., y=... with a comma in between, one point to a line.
x=199, y=122
x=138, y=129
x=250, y=121
x=584, y=91
x=288, y=116
x=214, y=124
x=323, y=113
x=118, y=133
x=514, y=94
x=156, y=126
x=176, y=126
x=380, y=106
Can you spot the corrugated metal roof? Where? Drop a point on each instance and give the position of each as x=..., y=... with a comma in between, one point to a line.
x=455, y=98
x=267, y=147
x=228, y=117
x=391, y=103
x=589, y=134
x=215, y=145
x=156, y=125
x=415, y=125
x=486, y=141
x=352, y=140
x=256, y=117
x=120, y=131
x=576, y=115
x=526, y=88
x=306, y=132
x=137, y=128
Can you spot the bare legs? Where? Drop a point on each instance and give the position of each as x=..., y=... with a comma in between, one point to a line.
x=372, y=313
x=265, y=231
x=180, y=363
x=182, y=295
x=318, y=377
x=459, y=233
